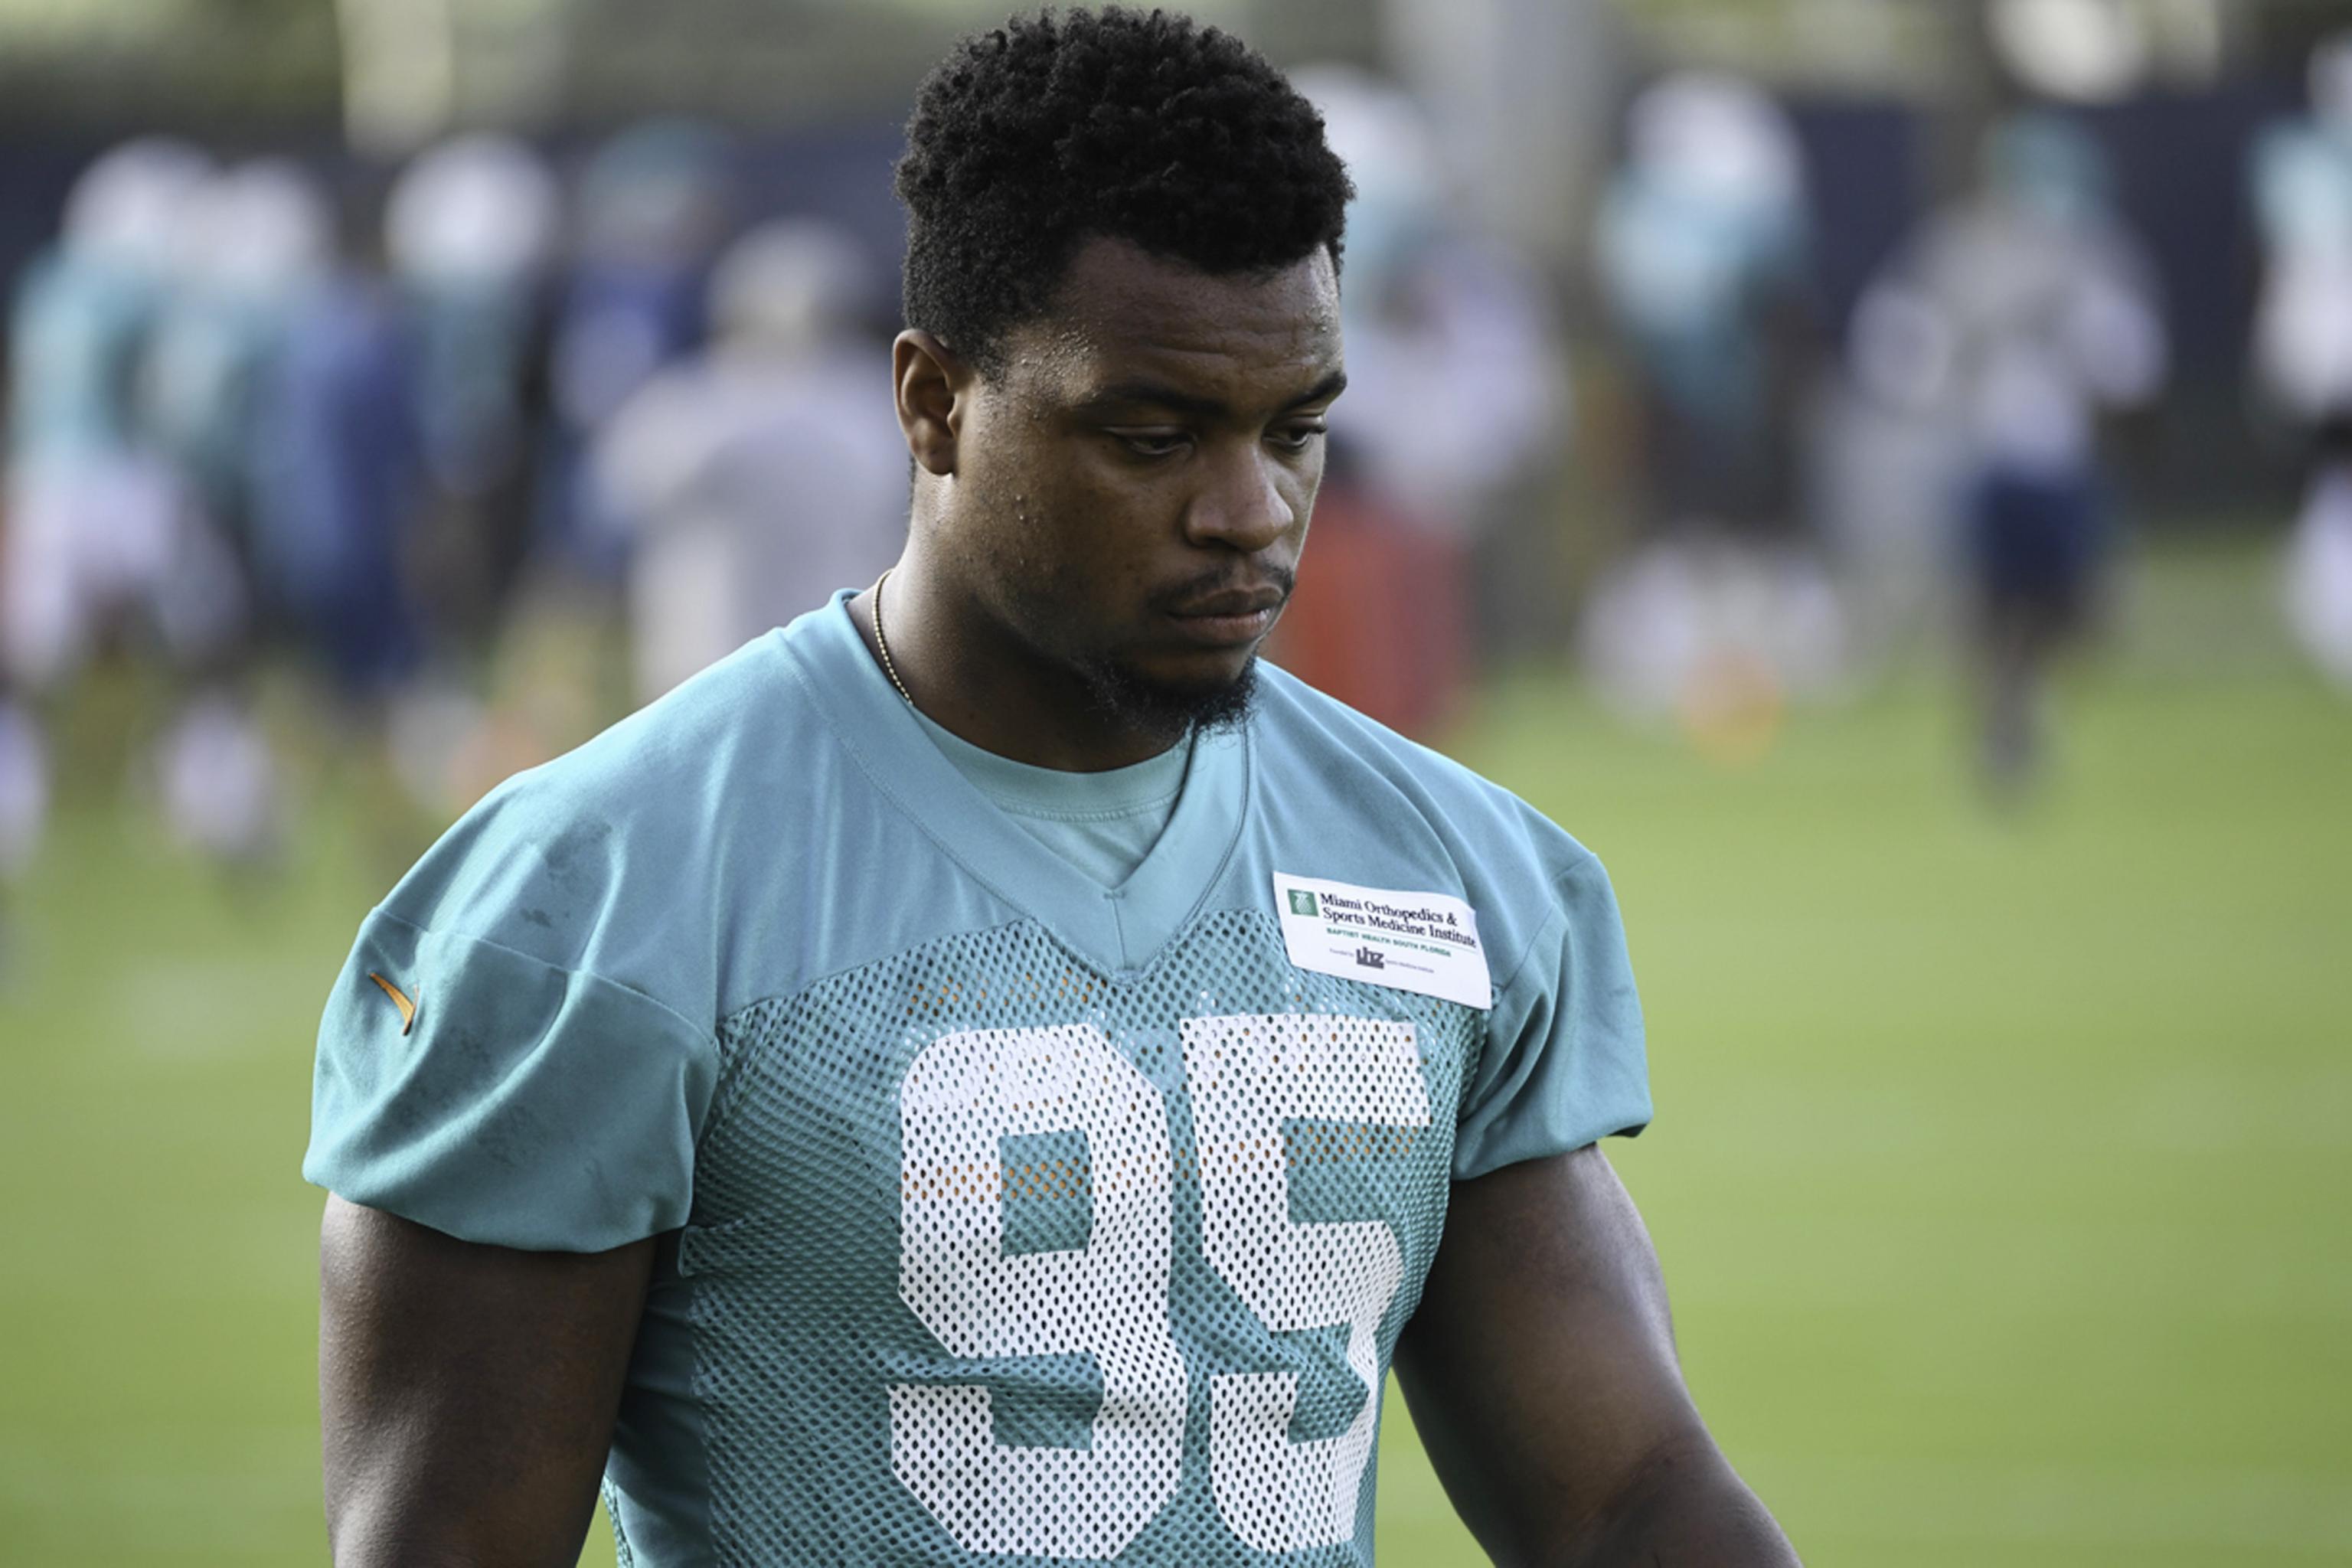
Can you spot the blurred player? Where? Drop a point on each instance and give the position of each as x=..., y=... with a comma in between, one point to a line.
x=339, y=482
x=654, y=202
x=471, y=232
x=106, y=539
x=764, y=472
x=87, y=504
x=1454, y=394
x=2303, y=342
x=991, y=1071
x=1702, y=248
x=256, y=256
x=2023, y=315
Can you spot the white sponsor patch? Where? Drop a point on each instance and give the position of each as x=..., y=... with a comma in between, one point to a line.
x=1426, y=942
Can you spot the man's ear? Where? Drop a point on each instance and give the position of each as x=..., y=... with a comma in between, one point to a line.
x=934, y=388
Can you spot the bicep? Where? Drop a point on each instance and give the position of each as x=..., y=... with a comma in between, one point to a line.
x=466, y=1392
x=1539, y=1367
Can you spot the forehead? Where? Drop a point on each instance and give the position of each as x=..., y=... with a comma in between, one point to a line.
x=1121, y=311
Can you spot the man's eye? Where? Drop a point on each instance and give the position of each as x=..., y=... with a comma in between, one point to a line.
x=1151, y=443
x=1297, y=438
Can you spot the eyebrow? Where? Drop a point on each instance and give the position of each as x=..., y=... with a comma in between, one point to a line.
x=1160, y=395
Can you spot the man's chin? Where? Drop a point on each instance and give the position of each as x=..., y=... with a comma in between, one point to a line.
x=1170, y=705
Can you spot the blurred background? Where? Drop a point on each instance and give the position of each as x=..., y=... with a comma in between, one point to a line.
x=1879, y=472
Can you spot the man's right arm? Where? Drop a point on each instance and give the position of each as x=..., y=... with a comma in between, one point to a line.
x=466, y=1392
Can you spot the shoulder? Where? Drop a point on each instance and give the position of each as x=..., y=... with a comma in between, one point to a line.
x=1304, y=728
x=644, y=821
x=1339, y=784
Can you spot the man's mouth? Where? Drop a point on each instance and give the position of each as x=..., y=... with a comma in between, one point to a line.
x=1230, y=617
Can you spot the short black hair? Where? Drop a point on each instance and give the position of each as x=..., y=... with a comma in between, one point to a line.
x=1031, y=138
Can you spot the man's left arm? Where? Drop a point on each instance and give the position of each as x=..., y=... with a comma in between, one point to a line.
x=1541, y=1373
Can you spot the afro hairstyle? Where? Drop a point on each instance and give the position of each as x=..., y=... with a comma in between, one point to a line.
x=1033, y=137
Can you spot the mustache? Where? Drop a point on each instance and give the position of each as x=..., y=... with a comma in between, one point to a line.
x=1209, y=584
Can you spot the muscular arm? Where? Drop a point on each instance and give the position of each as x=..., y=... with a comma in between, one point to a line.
x=466, y=1392
x=1540, y=1371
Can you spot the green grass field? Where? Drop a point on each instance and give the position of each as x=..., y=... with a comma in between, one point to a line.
x=2002, y=1172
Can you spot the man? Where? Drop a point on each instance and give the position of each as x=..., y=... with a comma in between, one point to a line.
x=757, y=475
x=985, y=1071
x=2024, y=315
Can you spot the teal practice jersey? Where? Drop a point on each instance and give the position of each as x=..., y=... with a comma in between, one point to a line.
x=1004, y=1218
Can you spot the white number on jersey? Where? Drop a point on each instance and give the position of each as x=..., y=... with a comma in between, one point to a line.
x=1247, y=1075
x=1110, y=1297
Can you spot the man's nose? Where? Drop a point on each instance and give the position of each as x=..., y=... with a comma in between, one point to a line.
x=1242, y=505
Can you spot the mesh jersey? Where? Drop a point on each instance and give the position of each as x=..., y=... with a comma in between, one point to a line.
x=1006, y=1217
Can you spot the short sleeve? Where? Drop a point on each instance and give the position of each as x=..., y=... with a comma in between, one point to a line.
x=1564, y=1064
x=501, y=1098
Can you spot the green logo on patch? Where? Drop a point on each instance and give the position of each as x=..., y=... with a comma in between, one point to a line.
x=1302, y=902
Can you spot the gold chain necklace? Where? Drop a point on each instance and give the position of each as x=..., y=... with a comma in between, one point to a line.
x=882, y=640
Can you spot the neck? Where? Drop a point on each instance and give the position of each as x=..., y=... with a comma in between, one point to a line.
x=968, y=674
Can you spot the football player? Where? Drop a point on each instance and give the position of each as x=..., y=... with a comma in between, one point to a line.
x=987, y=1071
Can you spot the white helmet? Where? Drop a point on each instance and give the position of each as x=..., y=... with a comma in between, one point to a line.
x=129, y=207
x=791, y=282
x=475, y=209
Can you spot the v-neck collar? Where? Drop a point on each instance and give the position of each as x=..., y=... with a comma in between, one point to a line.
x=1026, y=790
x=1118, y=930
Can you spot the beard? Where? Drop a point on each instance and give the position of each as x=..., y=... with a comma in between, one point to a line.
x=1128, y=700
